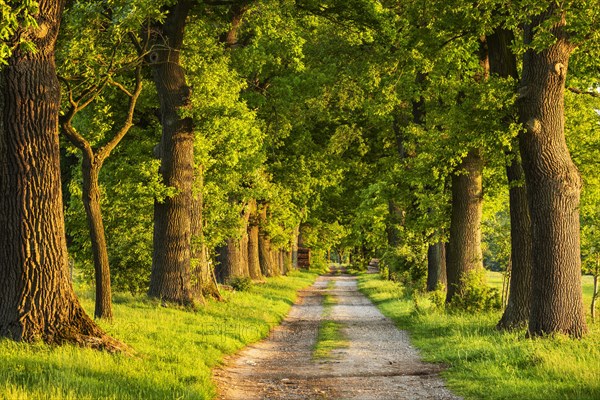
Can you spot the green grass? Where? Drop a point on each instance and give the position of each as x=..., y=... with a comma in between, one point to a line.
x=484, y=363
x=494, y=279
x=330, y=336
x=175, y=349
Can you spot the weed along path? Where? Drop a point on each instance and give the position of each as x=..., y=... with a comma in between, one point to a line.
x=334, y=344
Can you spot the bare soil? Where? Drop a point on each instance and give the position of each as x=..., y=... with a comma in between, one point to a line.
x=379, y=362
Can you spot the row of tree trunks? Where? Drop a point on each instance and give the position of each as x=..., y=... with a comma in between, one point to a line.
x=503, y=64
x=37, y=301
x=252, y=254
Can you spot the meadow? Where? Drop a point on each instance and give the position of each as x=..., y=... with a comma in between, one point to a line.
x=484, y=363
x=174, y=349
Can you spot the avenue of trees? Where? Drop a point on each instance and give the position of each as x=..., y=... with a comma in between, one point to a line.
x=162, y=147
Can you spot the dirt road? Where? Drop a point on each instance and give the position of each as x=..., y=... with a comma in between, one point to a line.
x=378, y=362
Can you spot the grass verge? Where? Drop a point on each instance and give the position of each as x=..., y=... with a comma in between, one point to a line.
x=176, y=349
x=330, y=336
x=484, y=363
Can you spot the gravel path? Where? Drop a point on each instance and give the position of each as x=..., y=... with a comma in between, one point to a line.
x=379, y=362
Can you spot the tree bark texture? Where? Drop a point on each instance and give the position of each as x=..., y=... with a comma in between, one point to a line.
x=37, y=301
x=91, y=202
x=516, y=314
x=464, y=247
x=268, y=264
x=171, y=259
x=295, y=241
x=436, y=266
x=203, y=279
x=253, y=233
x=503, y=63
x=233, y=255
x=553, y=188
x=231, y=258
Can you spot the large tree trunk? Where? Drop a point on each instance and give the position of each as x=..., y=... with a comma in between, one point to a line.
x=436, y=266
x=253, y=252
x=203, y=279
x=464, y=247
x=37, y=301
x=503, y=63
x=231, y=260
x=91, y=201
x=264, y=251
x=170, y=278
x=553, y=187
x=233, y=255
x=267, y=263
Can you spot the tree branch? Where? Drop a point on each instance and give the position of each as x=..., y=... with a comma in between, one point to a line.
x=104, y=152
x=586, y=92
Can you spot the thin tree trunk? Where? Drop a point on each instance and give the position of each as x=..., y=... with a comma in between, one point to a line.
x=253, y=233
x=436, y=266
x=504, y=64
x=518, y=307
x=92, y=162
x=553, y=187
x=295, y=240
x=203, y=279
x=280, y=262
x=171, y=259
x=37, y=301
x=287, y=261
x=464, y=247
x=91, y=201
x=595, y=290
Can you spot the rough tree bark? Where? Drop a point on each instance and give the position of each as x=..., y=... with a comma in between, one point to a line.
x=233, y=255
x=553, y=186
x=231, y=258
x=171, y=258
x=37, y=301
x=203, y=279
x=267, y=264
x=436, y=266
x=464, y=247
x=518, y=307
x=503, y=63
x=253, y=233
